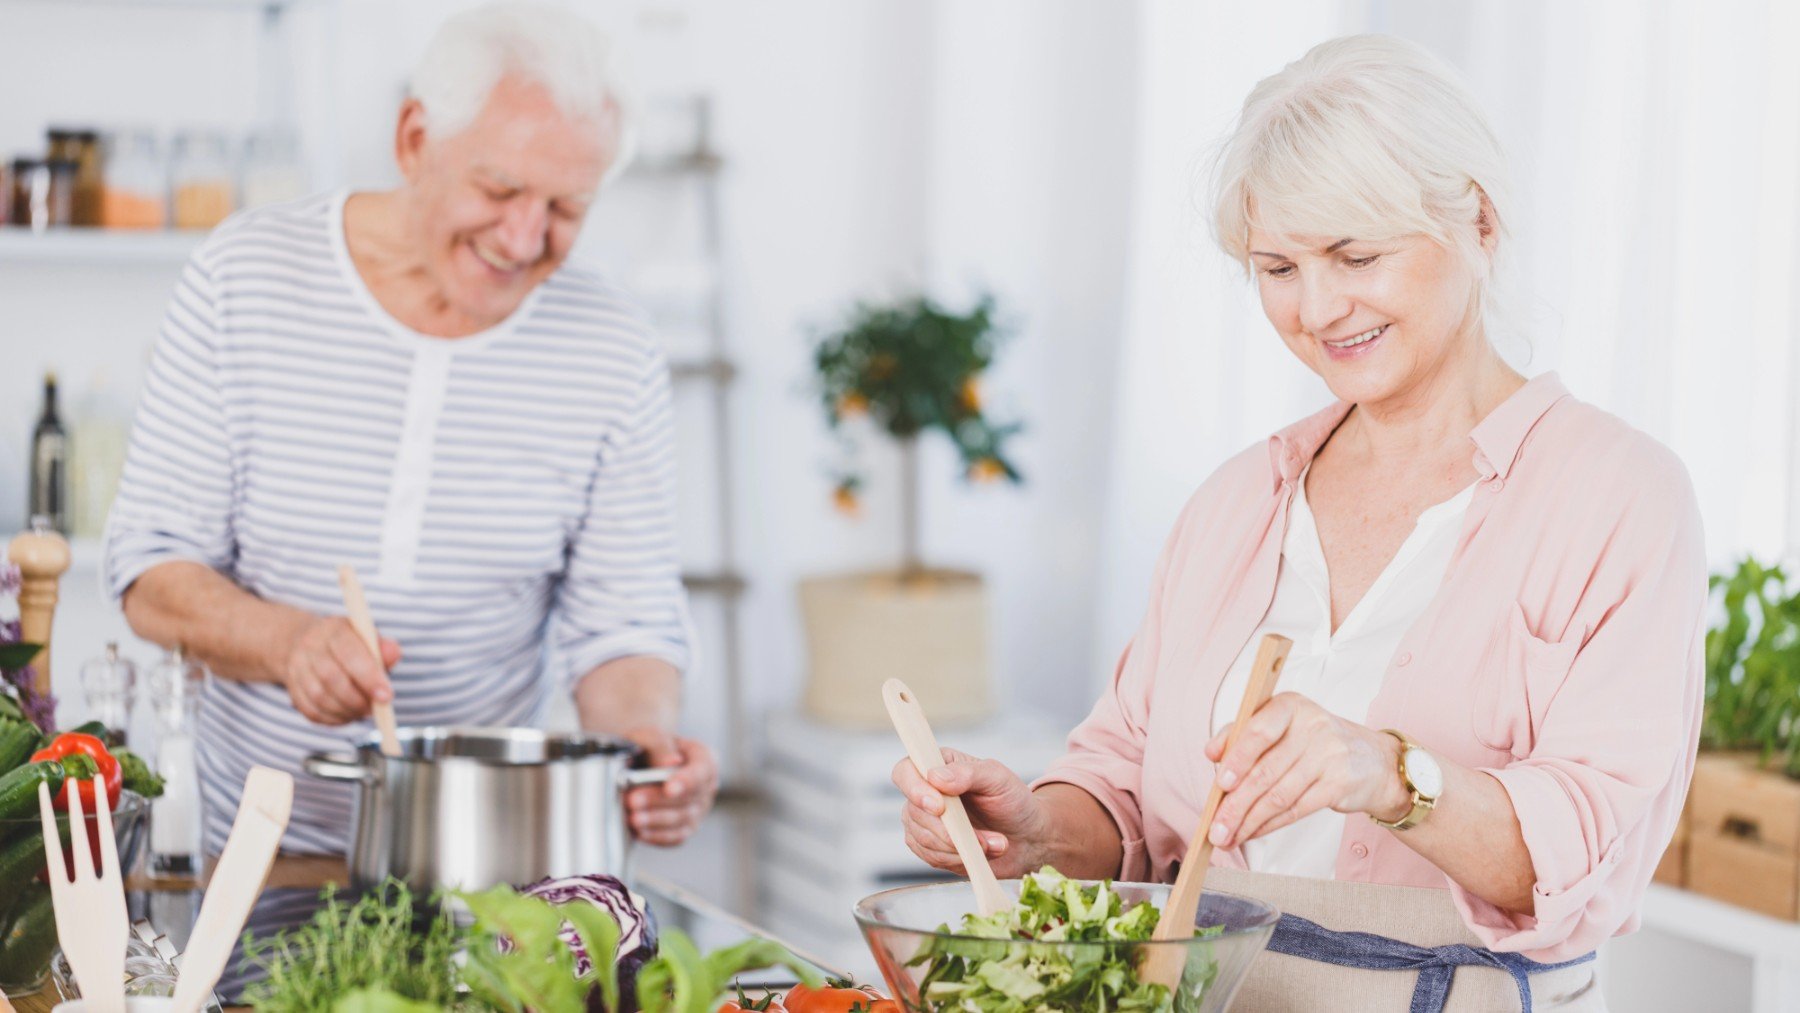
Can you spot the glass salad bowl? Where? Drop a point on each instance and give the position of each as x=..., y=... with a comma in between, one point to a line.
x=29, y=934
x=933, y=961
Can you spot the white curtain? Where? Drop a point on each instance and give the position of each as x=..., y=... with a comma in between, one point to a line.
x=1656, y=152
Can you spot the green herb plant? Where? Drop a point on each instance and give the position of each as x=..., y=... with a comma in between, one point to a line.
x=370, y=947
x=1753, y=666
x=515, y=960
x=911, y=366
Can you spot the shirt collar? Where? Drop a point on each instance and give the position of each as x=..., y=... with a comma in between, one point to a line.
x=1497, y=438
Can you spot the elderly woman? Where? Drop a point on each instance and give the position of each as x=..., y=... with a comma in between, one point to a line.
x=1487, y=723
x=415, y=382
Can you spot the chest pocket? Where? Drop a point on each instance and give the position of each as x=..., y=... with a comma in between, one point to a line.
x=1512, y=700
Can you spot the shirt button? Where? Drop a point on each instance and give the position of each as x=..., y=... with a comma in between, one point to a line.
x=1360, y=850
x=1496, y=484
x=1404, y=658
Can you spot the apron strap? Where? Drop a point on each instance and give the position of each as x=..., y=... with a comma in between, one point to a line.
x=1297, y=937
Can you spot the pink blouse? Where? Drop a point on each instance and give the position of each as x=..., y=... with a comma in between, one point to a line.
x=1562, y=655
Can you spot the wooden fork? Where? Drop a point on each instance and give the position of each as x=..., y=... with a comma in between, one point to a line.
x=90, y=910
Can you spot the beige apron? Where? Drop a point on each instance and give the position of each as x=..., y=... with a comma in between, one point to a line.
x=1278, y=983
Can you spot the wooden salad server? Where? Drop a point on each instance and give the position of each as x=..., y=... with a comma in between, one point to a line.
x=1163, y=964
x=922, y=746
x=237, y=881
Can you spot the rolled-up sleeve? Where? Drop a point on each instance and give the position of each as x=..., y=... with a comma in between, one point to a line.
x=1600, y=793
x=1106, y=751
x=621, y=594
x=176, y=492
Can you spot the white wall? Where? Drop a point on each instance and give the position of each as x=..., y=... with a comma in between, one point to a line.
x=870, y=147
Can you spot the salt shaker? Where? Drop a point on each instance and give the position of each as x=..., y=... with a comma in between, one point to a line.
x=108, y=682
x=174, y=685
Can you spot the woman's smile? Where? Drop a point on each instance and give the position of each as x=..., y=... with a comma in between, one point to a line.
x=1356, y=345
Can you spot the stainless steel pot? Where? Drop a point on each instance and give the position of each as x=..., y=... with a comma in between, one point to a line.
x=468, y=808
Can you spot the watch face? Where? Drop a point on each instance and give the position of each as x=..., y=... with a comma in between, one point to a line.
x=1424, y=773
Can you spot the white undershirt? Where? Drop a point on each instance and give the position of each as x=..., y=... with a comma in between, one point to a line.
x=1341, y=672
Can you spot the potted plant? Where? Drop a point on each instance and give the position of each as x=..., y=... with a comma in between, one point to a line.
x=1742, y=824
x=905, y=368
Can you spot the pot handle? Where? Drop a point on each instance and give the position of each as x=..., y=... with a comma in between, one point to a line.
x=640, y=776
x=334, y=767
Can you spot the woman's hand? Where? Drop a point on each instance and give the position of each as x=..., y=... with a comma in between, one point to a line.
x=1009, y=821
x=1295, y=758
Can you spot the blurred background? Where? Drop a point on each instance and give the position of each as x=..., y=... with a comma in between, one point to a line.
x=802, y=155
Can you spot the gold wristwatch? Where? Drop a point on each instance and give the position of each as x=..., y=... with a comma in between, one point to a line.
x=1423, y=778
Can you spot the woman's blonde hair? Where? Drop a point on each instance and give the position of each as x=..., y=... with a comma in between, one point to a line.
x=1366, y=136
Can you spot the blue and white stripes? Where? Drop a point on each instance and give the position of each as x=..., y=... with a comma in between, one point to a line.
x=500, y=494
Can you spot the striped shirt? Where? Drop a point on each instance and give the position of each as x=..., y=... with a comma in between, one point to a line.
x=506, y=498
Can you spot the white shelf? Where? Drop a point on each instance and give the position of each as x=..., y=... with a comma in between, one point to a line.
x=226, y=5
x=82, y=247
x=1772, y=945
x=1733, y=929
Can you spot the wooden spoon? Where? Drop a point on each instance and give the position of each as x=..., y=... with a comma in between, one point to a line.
x=1162, y=964
x=915, y=733
x=358, y=608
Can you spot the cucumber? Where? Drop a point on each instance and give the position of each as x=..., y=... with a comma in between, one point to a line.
x=95, y=728
x=17, y=742
x=19, y=787
x=25, y=949
x=20, y=862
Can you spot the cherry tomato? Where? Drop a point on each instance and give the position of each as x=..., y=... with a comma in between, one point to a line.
x=838, y=997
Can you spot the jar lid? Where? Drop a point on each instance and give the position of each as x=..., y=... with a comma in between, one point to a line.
x=26, y=163
x=86, y=135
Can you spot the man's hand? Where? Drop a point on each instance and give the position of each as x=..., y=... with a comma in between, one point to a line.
x=329, y=674
x=666, y=814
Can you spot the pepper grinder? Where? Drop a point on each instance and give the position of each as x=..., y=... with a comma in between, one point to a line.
x=108, y=682
x=42, y=556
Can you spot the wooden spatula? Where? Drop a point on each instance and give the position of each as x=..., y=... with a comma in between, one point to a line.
x=1162, y=964
x=237, y=881
x=915, y=733
x=358, y=609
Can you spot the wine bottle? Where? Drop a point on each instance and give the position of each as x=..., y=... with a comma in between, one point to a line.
x=50, y=463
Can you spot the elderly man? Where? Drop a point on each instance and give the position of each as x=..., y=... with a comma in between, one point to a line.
x=413, y=382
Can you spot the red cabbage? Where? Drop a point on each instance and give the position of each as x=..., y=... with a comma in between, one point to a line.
x=637, y=928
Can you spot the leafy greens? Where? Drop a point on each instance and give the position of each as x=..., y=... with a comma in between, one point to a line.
x=1006, y=969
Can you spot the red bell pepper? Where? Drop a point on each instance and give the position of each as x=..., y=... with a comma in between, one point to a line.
x=74, y=744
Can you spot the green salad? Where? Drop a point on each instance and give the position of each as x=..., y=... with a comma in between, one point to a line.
x=995, y=974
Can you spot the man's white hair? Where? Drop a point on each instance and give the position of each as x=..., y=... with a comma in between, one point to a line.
x=1366, y=137
x=550, y=45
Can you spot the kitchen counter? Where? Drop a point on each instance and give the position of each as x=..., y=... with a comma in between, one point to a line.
x=290, y=898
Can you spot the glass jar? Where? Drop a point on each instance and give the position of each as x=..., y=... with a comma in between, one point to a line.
x=174, y=685
x=201, y=179
x=272, y=170
x=41, y=190
x=82, y=148
x=134, y=193
x=109, y=682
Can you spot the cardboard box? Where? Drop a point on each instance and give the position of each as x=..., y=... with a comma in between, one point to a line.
x=1744, y=835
